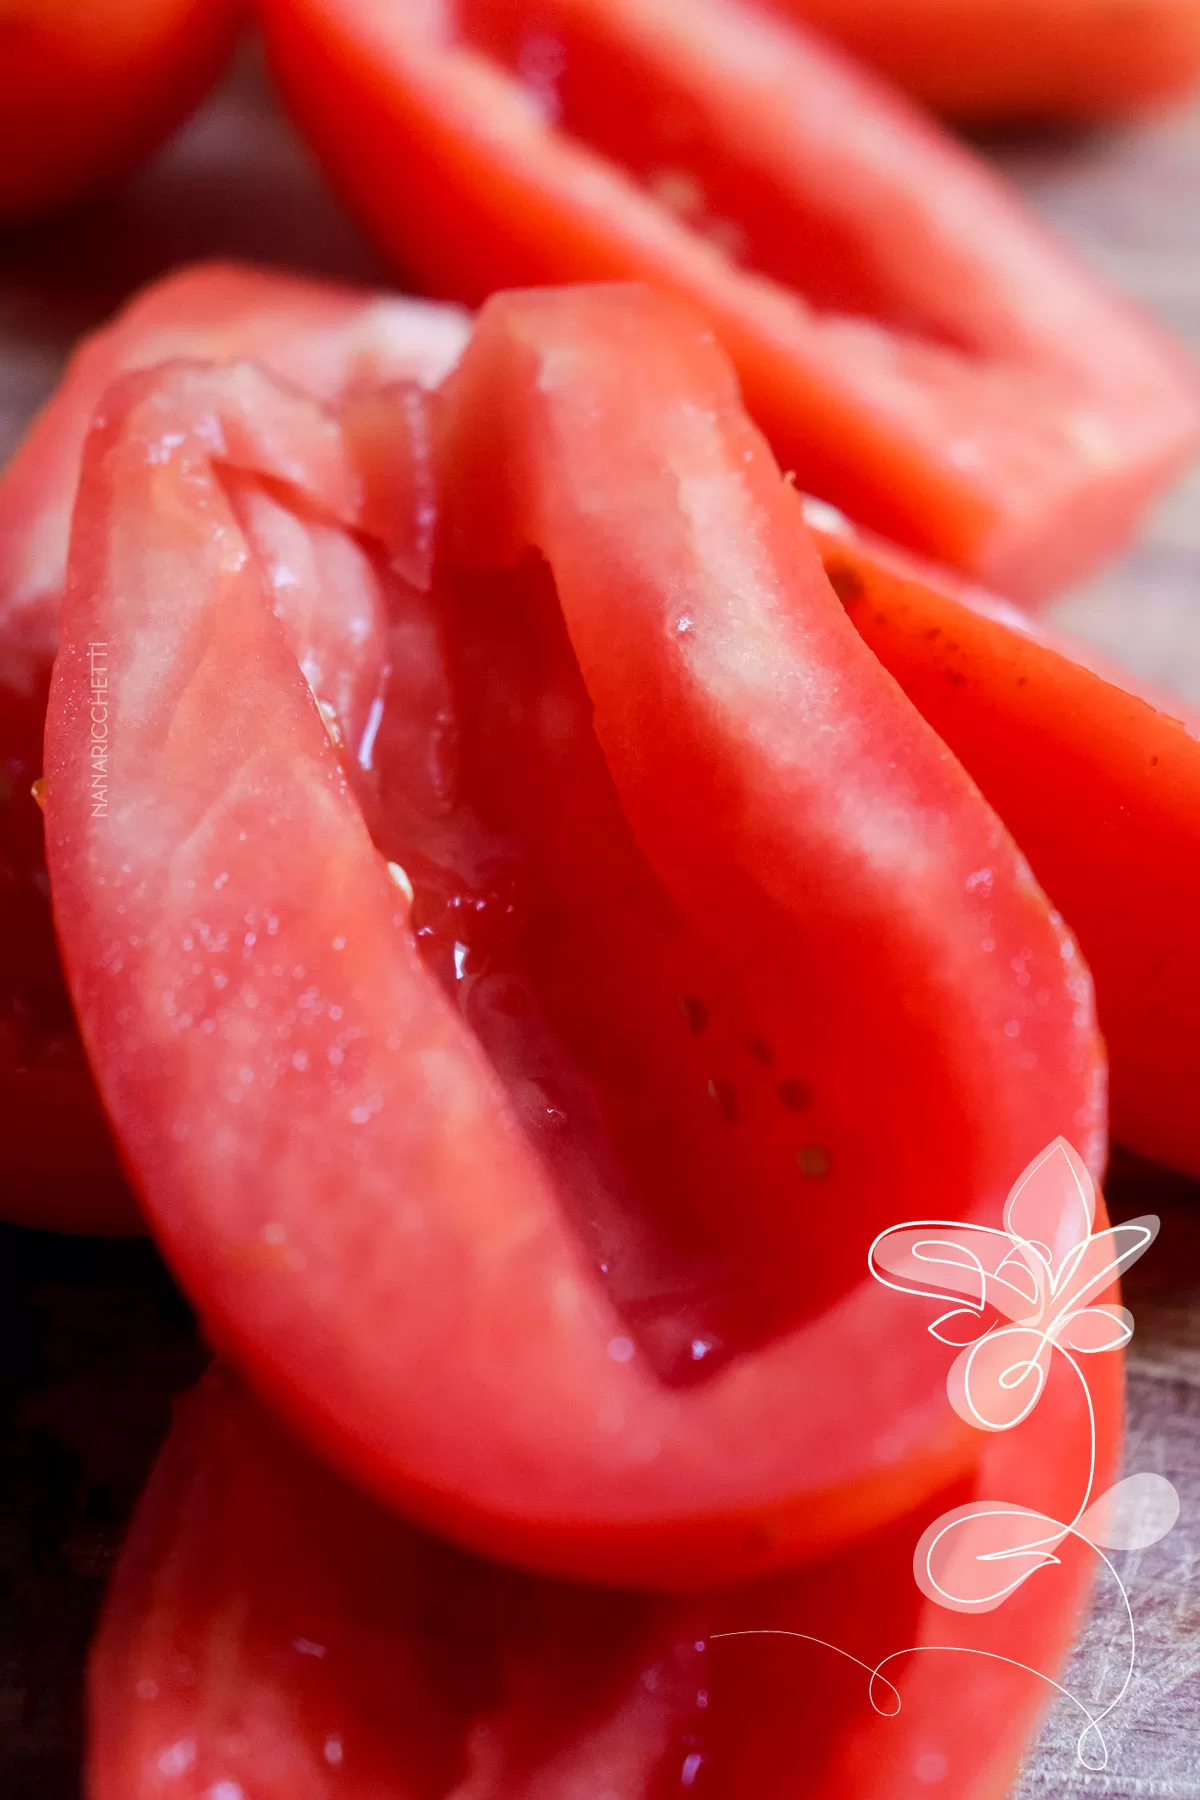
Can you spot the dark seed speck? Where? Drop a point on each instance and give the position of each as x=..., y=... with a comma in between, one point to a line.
x=846, y=582
x=695, y=1012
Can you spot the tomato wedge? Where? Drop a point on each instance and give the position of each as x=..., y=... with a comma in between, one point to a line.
x=695, y=894
x=59, y=1167
x=1100, y=787
x=270, y=1634
x=1021, y=59
x=87, y=90
x=913, y=345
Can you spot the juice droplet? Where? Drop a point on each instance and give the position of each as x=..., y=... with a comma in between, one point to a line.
x=400, y=877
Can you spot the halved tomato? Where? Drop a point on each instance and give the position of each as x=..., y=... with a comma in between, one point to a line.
x=913, y=344
x=1022, y=59
x=535, y=1179
x=59, y=1167
x=271, y=1635
x=86, y=90
x=1099, y=784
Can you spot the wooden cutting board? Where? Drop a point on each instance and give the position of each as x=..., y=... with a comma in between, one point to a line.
x=93, y=1341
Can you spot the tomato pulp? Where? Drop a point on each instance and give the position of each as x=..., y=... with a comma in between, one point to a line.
x=540, y=1200
x=59, y=1167
x=914, y=346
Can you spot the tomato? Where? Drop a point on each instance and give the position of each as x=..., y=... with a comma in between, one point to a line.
x=59, y=1167
x=1100, y=787
x=913, y=345
x=58, y=1163
x=270, y=1634
x=1004, y=59
x=701, y=909
x=87, y=90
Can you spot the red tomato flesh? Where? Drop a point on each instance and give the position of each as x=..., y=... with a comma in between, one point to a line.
x=59, y=1167
x=271, y=1635
x=1100, y=787
x=914, y=346
x=558, y=1259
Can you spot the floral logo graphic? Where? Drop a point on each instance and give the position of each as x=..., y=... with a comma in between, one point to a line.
x=1024, y=1293
x=1043, y=1272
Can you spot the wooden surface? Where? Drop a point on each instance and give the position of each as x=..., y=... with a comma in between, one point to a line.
x=93, y=1341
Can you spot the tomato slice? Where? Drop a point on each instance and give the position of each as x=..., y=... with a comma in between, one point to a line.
x=914, y=346
x=1021, y=59
x=270, y=1634
x=717, y=914
x=1099, y=785
x=59, y=1166
x=85, y=91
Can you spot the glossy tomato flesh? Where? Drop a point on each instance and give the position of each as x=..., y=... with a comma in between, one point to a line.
x=59, y=1166
x=552, y=1248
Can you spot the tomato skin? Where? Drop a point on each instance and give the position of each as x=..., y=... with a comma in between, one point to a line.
x=60, y=1169
x=86, y=92
x=270, y=1629
x=1021, y=59
x=956, y=382
x=1101, y=788
x=271, y=1182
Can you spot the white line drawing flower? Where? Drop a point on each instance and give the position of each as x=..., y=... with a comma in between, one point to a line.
x=1025, y=1291
x=1044, y=1272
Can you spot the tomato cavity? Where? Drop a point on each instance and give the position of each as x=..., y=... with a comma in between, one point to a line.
x=463, y=725
x=675, y=1127
x=678, y=1119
